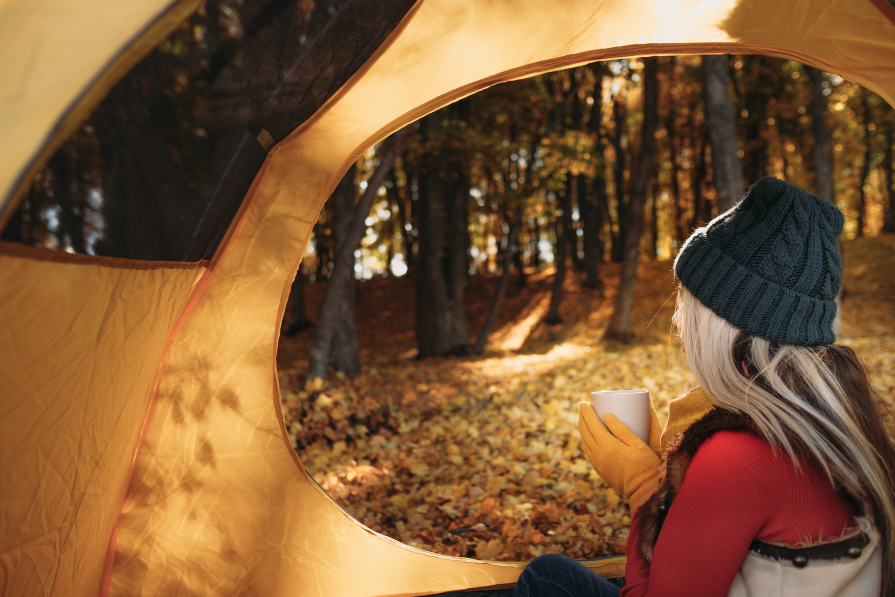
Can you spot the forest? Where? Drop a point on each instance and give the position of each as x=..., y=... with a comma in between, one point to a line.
x=473, y=274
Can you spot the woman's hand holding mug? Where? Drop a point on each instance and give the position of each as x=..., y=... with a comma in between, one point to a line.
x=620, y=457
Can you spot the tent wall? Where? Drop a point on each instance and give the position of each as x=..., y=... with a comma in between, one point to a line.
x=219, y=503
x=80, y=343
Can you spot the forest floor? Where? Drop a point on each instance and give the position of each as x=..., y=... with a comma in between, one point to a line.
x=479, y=456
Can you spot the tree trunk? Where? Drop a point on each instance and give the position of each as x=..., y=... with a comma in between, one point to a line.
x=458, y=263
x=727, y=171
x=755, y=100
x=553, y=316
x=889, y=214
x=823, y=163
x=590, y=219
x=677, y=228
x=299, y=321
x=865, y=167
x=698, y=177
x=620, y=325
x=654, y=216
x=534, y=239
x=618, y=232
x=433, y=332
x=343, y=269
x=344, y=347
x=512, y=240
x=71, y=222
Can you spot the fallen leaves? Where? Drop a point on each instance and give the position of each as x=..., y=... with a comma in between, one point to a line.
x=480, y=457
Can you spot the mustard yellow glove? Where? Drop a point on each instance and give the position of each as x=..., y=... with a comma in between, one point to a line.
x=621, y=458
x=655, y=431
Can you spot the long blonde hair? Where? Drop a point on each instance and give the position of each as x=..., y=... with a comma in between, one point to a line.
x=814, y=403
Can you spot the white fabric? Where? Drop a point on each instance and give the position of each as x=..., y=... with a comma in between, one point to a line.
x=760, y=576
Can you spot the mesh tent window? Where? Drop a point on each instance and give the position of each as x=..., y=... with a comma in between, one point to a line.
x=142, y=440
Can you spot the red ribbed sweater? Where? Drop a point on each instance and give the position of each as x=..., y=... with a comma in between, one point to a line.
x=735, y=490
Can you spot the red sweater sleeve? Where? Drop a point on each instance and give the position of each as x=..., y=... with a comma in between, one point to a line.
x=730, y=492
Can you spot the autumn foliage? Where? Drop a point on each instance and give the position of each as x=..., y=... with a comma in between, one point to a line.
x=479, y=456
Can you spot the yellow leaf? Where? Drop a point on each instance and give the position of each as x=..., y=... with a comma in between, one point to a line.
x=612, y=498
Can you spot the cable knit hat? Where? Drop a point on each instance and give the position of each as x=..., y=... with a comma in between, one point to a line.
x=770, y=266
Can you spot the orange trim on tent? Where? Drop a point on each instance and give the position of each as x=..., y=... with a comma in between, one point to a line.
x=40, y=254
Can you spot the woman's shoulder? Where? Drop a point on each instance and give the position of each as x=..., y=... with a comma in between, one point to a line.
x=741, y=455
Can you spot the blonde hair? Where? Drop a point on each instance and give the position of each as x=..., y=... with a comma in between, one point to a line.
x=814, y=403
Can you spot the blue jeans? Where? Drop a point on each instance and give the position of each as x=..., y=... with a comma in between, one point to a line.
x=555, y=575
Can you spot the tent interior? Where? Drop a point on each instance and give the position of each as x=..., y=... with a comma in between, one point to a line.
x=142, y=442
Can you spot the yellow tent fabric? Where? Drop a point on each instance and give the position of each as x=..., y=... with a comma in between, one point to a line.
x=167, y=372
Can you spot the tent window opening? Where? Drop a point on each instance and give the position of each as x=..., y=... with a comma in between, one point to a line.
x=160, y=168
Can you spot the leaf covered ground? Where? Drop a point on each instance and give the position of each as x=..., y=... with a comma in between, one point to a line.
x=480, y=456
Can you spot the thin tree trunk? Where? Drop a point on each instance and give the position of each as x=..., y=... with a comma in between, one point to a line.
x=727, y=171
x=865, y=168
x=618, y=236
x=889, y=214
x=592, y=204
x=502, y=284
x=534, y=239
x=512, y=240
x=755, y=100
x=404, y=213
x=823, y=163
x=677, y=228
x=698, y=177
x=553, y=316
x=458, y=263
x=654, y=217
x=72, y=223
x=344, y=347
x=590, y=218
x=343, y=270
x=299, y=321
x=620, y=325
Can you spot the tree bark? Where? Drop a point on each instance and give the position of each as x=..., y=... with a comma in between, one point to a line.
x=823, y=163
x=620, y=325
x=502, y=285
x=697, y=178
x=618, y=233
x=344, y=347
x=458, y=263
x=433, y=334
x=889, y=214
x=865, y=167
x=677, y=229
x=727, y=171
x=755, y=100
x=534, y=239
x=560, y=257
x=343, y=268
x=590, y=219
x=299, y=320
x=72, y=222
x=404, y=215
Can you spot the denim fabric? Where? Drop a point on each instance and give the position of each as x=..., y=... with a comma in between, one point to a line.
x=555, y=575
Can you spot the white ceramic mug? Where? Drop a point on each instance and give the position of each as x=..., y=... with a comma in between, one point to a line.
x=630, y=406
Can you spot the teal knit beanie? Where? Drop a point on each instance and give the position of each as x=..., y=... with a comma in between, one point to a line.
x=770, y=266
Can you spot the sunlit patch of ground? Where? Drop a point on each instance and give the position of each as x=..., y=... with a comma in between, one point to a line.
x=480, y=456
